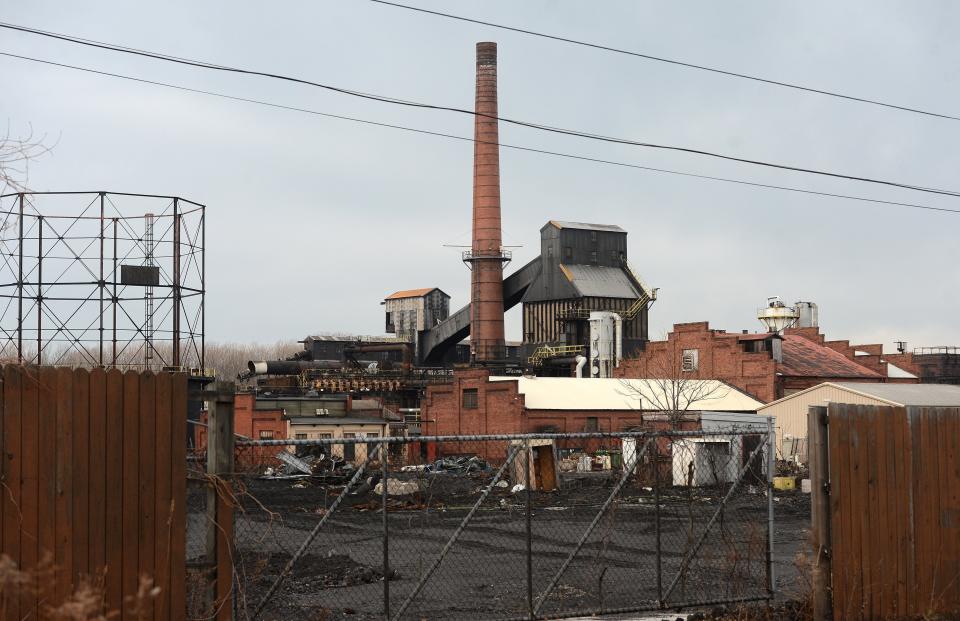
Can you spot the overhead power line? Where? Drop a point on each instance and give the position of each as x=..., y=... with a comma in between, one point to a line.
x=403, y=102
x=468, y=139
x=726, y=72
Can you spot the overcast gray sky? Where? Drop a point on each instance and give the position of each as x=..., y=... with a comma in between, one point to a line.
x=312, y=221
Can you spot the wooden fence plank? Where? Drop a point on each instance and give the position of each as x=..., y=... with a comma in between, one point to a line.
x=877, y=517
x=148, y=440
x=914, y=465
x=113, y=540
x=97, y=501
x=131, y=483
x=861, y=527
x=932, y=492
x=892, y=498
x=839, y=440
x=952, y=484
x=901, y=438
x=81, y=473
x=163, y=509
x=47, y=459
x=13, y=458
x=30, y=447
x=947, y=576
x=63, y=528
x=4, y=484
x=178, y=475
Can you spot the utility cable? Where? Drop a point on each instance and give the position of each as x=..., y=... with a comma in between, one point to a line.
x=466, y=139
x=403, y=102
x=671, y=61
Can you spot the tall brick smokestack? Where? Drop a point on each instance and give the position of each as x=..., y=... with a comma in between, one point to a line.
x=486, y=325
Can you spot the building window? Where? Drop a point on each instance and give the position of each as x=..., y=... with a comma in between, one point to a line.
x=299, y=436
x=470, y=399
x=371, y=446
x=325, y=436
x=690, y=360
x=592, y=424
x=593, y=256
x=266, y=434
x=567, y=253
x=593, y=236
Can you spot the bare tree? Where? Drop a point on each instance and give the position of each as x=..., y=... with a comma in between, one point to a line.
x=16, y=153
x=674, y=386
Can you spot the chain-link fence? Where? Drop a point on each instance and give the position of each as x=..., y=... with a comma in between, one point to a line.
x=500, y=527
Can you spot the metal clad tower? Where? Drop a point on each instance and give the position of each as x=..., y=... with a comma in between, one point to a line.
x=486, y=257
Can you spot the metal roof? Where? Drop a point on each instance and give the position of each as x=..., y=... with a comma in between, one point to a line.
x=805, y=358
x=597, y=281
x=573, y=393
x=586, y=226
x=908, y=394
x=413, y=293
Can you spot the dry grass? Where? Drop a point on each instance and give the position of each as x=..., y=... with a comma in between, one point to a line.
x=86, y=603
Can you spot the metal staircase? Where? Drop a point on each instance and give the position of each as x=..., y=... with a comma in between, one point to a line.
x=648, y=295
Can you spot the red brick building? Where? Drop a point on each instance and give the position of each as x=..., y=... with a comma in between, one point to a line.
x=476, y=403
x=767, y=366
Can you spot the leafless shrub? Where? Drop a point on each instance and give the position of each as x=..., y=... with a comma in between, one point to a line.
x=16, y=153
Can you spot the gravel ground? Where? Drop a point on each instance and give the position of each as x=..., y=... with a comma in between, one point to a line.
x=484, y=573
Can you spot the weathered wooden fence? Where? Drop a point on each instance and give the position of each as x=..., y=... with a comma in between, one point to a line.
x=886, y=509
x=94, y=486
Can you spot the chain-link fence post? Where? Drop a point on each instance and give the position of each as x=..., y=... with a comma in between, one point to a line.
x=771, y=466
x=384, y=452
x=527, y=483
x=219, y=535
x=656, y=519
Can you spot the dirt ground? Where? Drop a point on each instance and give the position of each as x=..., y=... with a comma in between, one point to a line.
x=484, y=574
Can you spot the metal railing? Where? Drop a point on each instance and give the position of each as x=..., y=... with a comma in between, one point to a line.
x=553, y=351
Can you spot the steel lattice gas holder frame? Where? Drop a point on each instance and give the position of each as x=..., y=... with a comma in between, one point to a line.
x=102, y=279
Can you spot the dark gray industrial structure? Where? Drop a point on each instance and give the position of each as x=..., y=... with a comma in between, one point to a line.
x=581, y=268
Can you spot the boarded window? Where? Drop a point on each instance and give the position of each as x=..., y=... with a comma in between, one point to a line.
x=690, y=360
x=349, y=450
x=470, y=399
x=266, y=434
x=592, y=424
x=567, y=253
x=299, y=436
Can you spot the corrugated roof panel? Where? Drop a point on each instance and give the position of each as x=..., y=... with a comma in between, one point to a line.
x=586, y=226
x=600, y=282
x=930, y=395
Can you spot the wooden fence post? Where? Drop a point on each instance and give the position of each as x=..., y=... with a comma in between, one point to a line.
x=219, y=536
x=819, y=451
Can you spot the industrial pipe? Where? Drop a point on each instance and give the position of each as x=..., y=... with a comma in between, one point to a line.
x=581, y=361
x=289, y=367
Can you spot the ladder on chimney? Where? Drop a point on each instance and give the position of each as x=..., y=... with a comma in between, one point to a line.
x=647, y=297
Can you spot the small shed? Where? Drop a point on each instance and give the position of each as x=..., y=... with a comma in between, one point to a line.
x=790, y=412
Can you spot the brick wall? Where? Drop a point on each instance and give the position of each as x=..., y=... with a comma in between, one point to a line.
x=720, y=356
x=501, y=409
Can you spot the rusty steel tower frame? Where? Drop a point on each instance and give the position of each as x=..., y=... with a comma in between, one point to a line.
x=102, y=279
x=486, y=258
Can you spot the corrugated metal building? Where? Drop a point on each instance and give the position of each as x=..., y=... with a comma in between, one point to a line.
x=790, y=412
x=583, y=267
